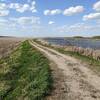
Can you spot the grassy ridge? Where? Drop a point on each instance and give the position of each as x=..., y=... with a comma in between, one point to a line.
x=24, y=75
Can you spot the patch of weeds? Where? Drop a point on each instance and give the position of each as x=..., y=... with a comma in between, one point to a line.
x=28, y=75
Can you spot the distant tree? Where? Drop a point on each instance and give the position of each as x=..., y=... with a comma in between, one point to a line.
x=78, y=37
x=96, y=37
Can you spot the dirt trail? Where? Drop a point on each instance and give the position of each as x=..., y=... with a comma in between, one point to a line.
x=81, y=82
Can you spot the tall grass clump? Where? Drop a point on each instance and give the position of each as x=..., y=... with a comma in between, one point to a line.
x=25, y=75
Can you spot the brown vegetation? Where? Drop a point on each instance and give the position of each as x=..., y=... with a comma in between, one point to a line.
x=7, y=45
x=85, y=51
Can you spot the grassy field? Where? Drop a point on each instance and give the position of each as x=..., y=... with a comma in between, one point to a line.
x=24, y=75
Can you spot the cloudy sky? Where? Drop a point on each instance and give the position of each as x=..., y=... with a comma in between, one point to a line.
x=42, y=18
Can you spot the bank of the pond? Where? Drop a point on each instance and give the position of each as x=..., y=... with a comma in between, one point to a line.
x=25, y=75
x=93, y=63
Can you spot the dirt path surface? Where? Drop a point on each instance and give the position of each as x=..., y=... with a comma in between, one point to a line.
x=80, y=82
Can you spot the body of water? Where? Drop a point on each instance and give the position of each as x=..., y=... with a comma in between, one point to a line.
x=85, y=43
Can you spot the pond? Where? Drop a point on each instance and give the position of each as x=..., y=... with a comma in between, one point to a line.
x=85, y=43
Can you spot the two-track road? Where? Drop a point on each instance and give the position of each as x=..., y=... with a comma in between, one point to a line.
x=81, y=82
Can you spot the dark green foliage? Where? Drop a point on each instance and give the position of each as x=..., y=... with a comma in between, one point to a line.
x=28, y=76
x=96, y=37
x=78, y=37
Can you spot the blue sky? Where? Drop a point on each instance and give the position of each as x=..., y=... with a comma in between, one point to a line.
x=44, y=18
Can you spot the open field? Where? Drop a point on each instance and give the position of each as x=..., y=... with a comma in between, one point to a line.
x=24, y=75
x=7, y=44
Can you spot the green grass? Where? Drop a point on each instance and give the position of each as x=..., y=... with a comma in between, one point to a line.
x=25, y=75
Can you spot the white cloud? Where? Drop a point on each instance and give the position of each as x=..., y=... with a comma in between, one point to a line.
x=3, y=9
x=33, y=2
x=4, y=12
x=3, y=6
x=91, y=16
x=3, y=21
x=51, y=22
x=22, y=25
x=73, y=10
x=26, y=21
x=96, y=6
x=29, y=20
x=95, y=15
x=33, y=8
x=46, y=12
x=56, y=11
x=20, y=22
x=4, y=24
x=52, y=12
x=79, y=28
x=67, y=12
x=19, y=7
x=23, y=7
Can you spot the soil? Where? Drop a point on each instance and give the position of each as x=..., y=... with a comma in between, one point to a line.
x=73, y=80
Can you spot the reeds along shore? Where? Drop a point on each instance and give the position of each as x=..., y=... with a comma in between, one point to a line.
x=95, y=54
x=85, y=51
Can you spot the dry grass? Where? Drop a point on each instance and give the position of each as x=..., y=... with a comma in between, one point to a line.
x=7, y=45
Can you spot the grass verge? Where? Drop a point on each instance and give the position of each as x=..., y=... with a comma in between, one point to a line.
x=25, y=75
x=93, y=64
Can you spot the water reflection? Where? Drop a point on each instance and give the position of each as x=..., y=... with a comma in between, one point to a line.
x=85, y=43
